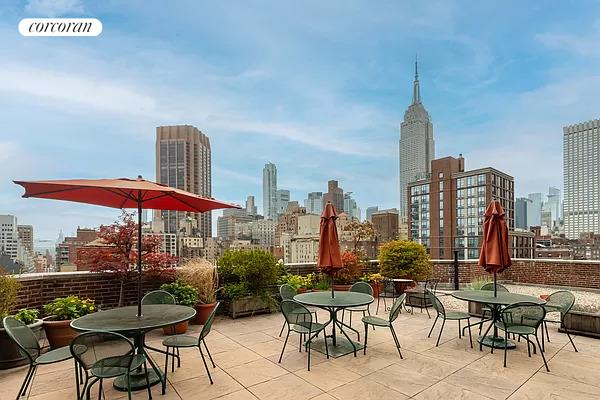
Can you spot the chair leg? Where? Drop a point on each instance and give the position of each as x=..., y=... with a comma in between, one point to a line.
x=377, y=309
x=148, y=381
x=369, y=312
x=164, y=383
x=505, y=347
x=173, y=359
x=285, y=343
x=178, y=358
x=208, y=352
x=432, y=326
x=396, y=340
x=27, y=380
x=77, y=373
x=308, y=349
x=459, y=333
x=100, y=391
x=128, y=385
x=366, y=338
x=282, y=328
x=470, y=337
x=300, y=343
x=205, y=365
x=440, y=335
x=542, y=352
x=546, y=328
x=568, y=335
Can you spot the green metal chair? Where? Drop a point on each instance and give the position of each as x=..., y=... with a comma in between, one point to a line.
x=388, y=291
x=359, y=287
x=28, y=344
x=447, y=315
x=418, y=296
x=287, y=292
x=160, y=297
x=485, y=309
x=103, y=355
x=561, y=301
x=376, y=321
x=178, y=341
x=290, y=310
x=523, y=319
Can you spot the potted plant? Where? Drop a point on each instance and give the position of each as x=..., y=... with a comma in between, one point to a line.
x=60, y=312
x=202, y=275
x=404, y=259
x=249, y=279
x=185, y=295
x=301, y=284
x=375, y=281
x=352, y=268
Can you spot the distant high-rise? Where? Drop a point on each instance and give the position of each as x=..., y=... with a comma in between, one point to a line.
x=553, y=206
x=351, y=208
x=335, y=195
x=314, y=203
x=534, y=209
x=270, y=191
x=581, y=176
x=521, y=204
x=183, y=161
x=370, y=211
x=282, y=198
x=416, y=145
x=26, y=236
x=250, y=206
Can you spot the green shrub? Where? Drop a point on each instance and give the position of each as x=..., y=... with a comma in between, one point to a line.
x=9, y=287
x=185, y=294
x=257, y=270
x=27, y=315
x=70, y=307
x=404, y=259
x=478, y=283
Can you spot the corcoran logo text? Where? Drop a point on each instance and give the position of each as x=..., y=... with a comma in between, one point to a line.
x=60, y=27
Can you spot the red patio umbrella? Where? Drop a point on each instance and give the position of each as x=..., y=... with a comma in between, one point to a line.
x=494, y=254
x=123, y=193
x=330, y=259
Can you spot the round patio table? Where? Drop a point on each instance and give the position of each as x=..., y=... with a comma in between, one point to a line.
x=495, y=303
x=340, y=345
x=124, y=320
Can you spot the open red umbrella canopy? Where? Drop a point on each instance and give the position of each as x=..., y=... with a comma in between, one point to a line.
x=494, y=254
x=330, y=258
x=122, y=193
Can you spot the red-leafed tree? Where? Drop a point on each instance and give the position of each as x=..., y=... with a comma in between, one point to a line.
x=115, y=252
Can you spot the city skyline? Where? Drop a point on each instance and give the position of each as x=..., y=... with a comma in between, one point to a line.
x=252, y=92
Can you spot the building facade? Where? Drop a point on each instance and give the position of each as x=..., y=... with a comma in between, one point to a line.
x=581, y=176
x=25, y=233
x=447, y=210
x=270, y=191
x=183, y=161
x=251, y=208
x=350, y=207
x=521, y=212
x=416, y=145
x=66, y=251
x=314, y=203
x=334, y=195
x=370, y=211
x=534, y=209
x=282, y=198
x=385, y=225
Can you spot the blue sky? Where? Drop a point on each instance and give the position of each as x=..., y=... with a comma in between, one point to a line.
x=318, y=88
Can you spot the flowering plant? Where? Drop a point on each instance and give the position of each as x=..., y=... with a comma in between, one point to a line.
x=70, y=307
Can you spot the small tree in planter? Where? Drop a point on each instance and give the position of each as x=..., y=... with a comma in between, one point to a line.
x=60, y=312
x=116, y=253
x=185, y=295
x=404, y=259
x=202, y=275
x=249, y=278
x=352, y=269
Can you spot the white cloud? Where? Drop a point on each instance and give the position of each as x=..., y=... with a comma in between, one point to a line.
x=53, y=8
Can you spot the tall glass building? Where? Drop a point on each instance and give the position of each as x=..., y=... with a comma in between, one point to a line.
x=581, y=175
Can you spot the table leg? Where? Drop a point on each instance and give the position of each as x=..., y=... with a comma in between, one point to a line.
x=138, y=378
x=495, y=341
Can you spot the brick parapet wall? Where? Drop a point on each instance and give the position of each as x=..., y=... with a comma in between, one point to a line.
x=39, y=289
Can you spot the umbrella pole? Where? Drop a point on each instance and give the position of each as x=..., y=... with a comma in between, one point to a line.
x=495, y=289
x=332, y=295
x=139, y=255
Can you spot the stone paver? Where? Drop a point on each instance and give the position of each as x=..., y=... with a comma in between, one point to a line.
x=246, y=352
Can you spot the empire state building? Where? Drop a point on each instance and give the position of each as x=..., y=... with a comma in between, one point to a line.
x=416, y=145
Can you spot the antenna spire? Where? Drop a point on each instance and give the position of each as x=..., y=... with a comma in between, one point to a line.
x=416, y=89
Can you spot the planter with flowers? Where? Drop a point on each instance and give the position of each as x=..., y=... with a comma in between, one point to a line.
x=185, y=295
x=375, y=280
x=203, y=276
x=352, y=269
x=60, y=312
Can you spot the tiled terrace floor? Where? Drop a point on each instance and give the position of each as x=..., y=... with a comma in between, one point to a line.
x=246, y=352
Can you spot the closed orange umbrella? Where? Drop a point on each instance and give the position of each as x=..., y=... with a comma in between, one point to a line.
x=330, y=258
x=494, y=254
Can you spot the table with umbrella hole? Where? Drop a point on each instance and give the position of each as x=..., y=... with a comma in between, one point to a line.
x=495, y=303
x=124, y=320
x=338, y=345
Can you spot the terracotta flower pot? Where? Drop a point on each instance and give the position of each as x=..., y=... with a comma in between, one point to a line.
x=341, y=288
x=202, y=313
x=176, y=329
x=377, y=286
x=301, y=290
x=59, y=333
x=10, y=355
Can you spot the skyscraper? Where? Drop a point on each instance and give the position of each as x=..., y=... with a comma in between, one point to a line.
x=183, y=161
x=581, y=175
x=314, y=203
x=534, y=209
x=270, y=191
x=335, y=195
x=370, y=211
x=282, y=198
x=250, y=206
x=553, y=205
x=416, y=145
x=351, y=208
x=521, y=212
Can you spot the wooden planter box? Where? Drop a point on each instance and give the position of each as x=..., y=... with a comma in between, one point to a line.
x=582, y=323
x=248, y=305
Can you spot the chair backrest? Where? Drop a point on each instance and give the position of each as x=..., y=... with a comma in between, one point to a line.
x=287, y=292
x=525, y=313
x=397, y=307
x=563, y=300
x=208, y=324
x=431, y=284
x=436, y=303
x=114, y=349
x=158, y=297
x=291, y=309
x=362, y=287
x=23, y=337
x=490, y=286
